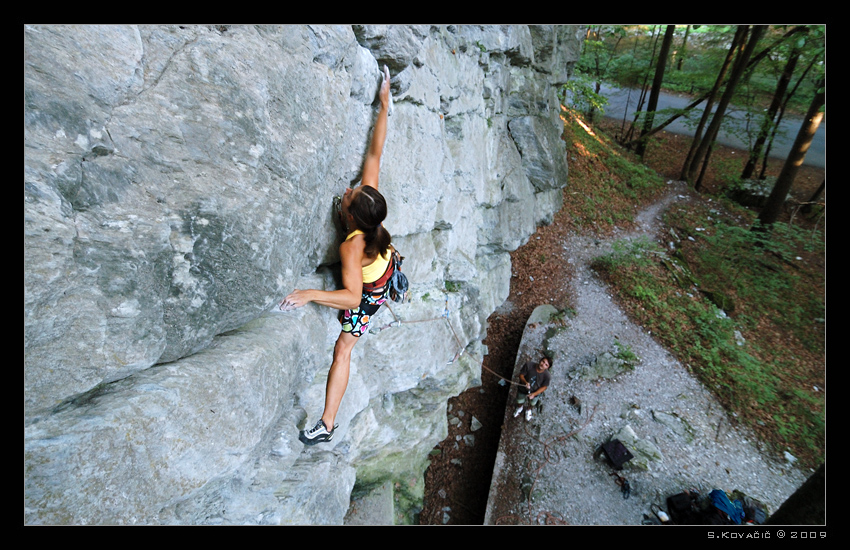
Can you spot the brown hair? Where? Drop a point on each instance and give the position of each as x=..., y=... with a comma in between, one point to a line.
x=369, y=210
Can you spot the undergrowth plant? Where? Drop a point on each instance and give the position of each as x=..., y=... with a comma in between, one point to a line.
x=605, y=182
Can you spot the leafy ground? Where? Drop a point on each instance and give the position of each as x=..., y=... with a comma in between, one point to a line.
x=779, y=390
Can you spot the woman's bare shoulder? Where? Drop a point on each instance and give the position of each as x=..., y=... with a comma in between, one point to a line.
x=354, y=245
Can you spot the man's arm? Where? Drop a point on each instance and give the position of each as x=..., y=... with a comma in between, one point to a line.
x=372, y=164
x=542, y=388
x=522, y=377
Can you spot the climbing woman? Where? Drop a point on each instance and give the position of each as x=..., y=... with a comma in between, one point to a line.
x=366, y=268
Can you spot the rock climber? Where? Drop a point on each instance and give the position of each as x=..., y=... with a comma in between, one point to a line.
x=535, y=379
x=366, y=269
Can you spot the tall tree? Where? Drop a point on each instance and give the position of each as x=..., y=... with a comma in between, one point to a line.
x=644, y=88
x=660, y=66
x=813, y=64
x=713, y=128
x=597, y=56
x=770, y=115
x=684, y=49
x=710, y=98
x=773, y=207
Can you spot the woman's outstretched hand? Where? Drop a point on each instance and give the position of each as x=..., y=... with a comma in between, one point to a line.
x=384, y=94
x=297, y=298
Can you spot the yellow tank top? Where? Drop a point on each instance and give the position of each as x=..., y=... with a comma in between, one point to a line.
x=373, y=271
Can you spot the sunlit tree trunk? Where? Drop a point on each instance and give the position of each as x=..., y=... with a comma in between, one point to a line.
x=770, y=115
x=773, y=207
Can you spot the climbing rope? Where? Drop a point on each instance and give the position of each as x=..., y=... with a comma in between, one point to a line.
x=539, y=465
x=446, y=316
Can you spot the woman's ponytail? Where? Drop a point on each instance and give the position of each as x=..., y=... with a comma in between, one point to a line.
x=378, y=241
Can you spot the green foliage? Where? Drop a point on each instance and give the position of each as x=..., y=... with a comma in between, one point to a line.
x=624, y=55
x=625, y=354
x=758, y=266
x=578, y=94
x=729, y=172
x=632, y=252
x=453, y=286
x=761, y=355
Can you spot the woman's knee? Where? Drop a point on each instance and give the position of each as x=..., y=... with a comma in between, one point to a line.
x=344, y=344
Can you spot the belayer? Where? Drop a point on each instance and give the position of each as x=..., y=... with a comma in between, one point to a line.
x=367, y=265
x=535, y=380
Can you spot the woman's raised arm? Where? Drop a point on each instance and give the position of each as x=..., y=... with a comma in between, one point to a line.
x=372, y=164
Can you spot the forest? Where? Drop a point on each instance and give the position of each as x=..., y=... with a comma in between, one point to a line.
x=742, y=302
x=769, y=71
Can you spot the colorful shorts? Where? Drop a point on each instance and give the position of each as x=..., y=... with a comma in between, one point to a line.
x=356, y=321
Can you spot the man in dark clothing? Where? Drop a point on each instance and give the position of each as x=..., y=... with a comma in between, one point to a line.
x=534, y=378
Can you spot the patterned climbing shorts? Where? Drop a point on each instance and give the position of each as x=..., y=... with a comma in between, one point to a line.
x=356, y=321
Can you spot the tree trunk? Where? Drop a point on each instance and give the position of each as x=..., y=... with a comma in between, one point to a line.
x=773, y=206
x=683, y=51
x=807, y=506
x=814, y=198
x=781, y=114
x=642, y=96
x=709, y=100
x=656, y=87
x=778, y=95
x=689, y=164
x=737, y=72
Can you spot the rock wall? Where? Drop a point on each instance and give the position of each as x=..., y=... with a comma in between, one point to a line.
x=178, y=182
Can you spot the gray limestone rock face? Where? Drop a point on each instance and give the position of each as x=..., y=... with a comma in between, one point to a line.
x=178, y=182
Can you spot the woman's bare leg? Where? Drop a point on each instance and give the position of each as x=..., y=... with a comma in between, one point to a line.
x=338, y=377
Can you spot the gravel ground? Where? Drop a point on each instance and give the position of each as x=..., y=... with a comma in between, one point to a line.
x=552, y=457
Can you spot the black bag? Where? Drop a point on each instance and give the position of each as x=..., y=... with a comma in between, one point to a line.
x=617, y=453
x=682, y=510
